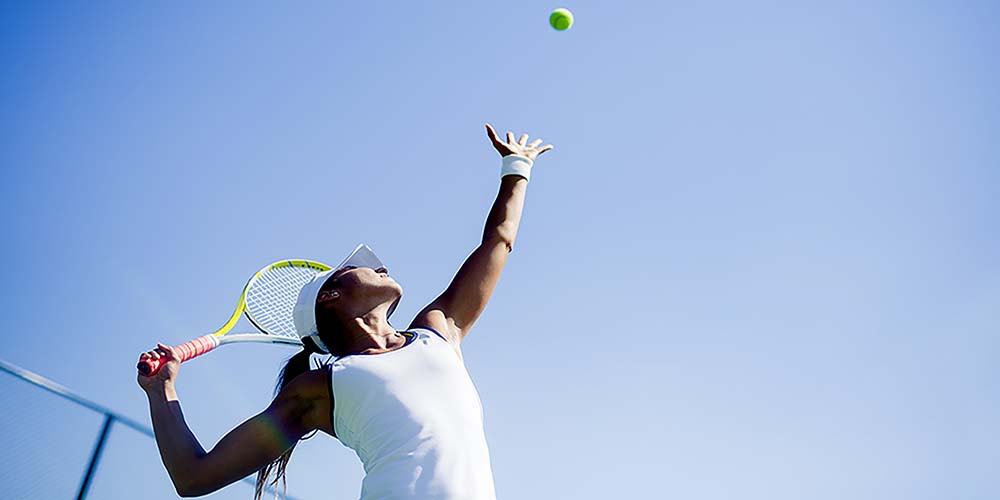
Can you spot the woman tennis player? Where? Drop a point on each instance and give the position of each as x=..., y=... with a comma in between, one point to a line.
x=402, y=400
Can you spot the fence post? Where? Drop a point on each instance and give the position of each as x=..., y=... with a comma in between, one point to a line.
x=95, y=456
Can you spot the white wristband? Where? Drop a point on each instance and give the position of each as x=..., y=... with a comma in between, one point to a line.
x=516, y=165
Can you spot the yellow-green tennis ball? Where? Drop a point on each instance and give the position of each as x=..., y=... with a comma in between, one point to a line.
x=561, y=19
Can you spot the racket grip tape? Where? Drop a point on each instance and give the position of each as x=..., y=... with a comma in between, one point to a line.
x=186, y=351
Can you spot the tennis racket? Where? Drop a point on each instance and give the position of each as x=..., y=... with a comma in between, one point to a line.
x=268, y=300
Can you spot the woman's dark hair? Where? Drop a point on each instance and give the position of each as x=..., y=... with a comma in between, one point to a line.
x=298, y=364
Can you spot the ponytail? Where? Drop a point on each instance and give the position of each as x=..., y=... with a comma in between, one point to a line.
x=295, y=366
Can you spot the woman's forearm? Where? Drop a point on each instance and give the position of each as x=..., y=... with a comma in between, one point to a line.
x=505, y=216
x=179, y=448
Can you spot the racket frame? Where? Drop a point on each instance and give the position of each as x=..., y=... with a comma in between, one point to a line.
x=205, y=343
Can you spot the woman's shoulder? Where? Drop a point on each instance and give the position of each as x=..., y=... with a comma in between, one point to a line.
x=309, y=384
x=308, y=398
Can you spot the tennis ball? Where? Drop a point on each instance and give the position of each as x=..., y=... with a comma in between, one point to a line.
x=561, y=19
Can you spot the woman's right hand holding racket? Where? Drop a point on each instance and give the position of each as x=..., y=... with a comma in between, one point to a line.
x=170, y=365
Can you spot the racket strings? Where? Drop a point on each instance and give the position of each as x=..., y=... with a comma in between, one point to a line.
x=272, y=297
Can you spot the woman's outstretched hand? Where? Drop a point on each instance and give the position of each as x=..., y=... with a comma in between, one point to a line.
x=519, y=147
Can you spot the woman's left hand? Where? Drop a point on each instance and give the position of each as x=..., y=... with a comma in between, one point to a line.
x=519, y=147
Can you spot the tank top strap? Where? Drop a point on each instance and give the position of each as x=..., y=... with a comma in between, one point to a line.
x=431, y=330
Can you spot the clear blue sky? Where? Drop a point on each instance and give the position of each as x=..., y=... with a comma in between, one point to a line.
x=760, y=263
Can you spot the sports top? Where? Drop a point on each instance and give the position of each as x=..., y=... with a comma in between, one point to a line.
x=415, y=420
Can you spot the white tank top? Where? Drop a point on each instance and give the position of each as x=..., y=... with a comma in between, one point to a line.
x=415, y=420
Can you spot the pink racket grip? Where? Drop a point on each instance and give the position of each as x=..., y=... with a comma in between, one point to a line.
x=188, y=350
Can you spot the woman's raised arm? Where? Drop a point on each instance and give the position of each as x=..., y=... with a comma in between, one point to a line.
x=302, y=406
x=461, y=304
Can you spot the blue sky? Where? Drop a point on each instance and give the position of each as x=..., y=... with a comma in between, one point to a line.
x=760, y=263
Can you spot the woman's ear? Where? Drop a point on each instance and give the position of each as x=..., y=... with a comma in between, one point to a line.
x=327, y=295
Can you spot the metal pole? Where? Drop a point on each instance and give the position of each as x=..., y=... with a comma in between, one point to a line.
x=48, y=385
x=96, y=456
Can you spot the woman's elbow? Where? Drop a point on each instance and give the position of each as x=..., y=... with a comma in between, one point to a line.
x=186, y=490
x=191, y=491
x=183, y=491
x=186, y=494
x=192, y=488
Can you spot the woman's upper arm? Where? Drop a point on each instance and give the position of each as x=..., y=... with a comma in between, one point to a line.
x=293, y=413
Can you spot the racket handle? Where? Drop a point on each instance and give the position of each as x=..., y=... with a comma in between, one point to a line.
x=188, y=350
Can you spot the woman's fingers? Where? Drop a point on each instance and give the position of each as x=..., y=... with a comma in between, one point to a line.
x=499, y=145
x=522, y=146
x=168, y=352
x=161, y=351
x=491, y=133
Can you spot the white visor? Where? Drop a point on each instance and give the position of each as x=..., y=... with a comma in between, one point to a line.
x=304, y=313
